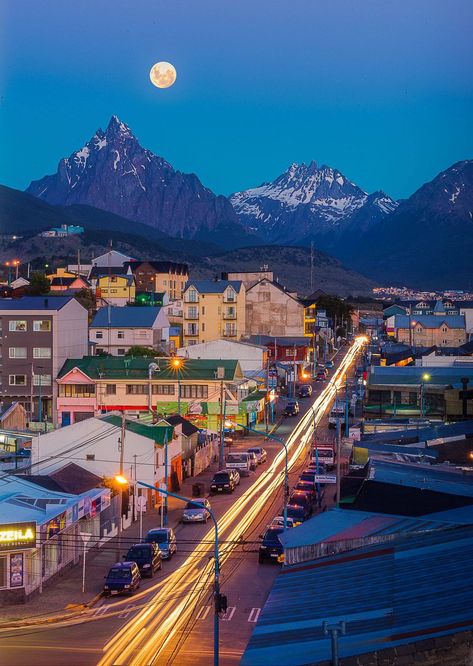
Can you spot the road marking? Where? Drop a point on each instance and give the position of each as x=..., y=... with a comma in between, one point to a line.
x=101, y=610
x=203, y=612
x=229, y=614
x=254, y=615
x=126, y=612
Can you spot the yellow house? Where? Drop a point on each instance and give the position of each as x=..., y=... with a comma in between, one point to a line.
x=116, y=289
x=213, y=309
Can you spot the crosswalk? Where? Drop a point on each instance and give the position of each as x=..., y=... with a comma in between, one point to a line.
x=204, y=612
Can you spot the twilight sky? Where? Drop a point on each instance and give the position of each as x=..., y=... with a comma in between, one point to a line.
x=380, y=89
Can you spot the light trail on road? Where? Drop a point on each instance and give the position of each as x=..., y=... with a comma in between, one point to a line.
x=143, y=639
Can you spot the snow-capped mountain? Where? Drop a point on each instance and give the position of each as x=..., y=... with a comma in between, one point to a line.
x=309, y=202
x=114, y=173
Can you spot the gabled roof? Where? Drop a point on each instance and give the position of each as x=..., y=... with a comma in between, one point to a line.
x=66, y=281
x=430, y=321
x=160, y=266
x=129, y=279
x=126, y=316
x=51, y=303
x=99, y=271
x=280, y=288
x=214, y=286
x=158, y=433
x=132, y=369
x=188, y=428
x=71, y=478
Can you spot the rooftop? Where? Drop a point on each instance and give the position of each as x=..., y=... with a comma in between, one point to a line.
x=413, y=376
x=429, y=321
x=126, y=316
x=158, y=433
x=214, y=286
x=46, y=303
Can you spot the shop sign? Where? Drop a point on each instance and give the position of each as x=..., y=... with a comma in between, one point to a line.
x=18, y=535
x=16, y=570
x=55, y=525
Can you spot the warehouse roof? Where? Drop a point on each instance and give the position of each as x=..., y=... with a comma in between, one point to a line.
x=412, y=375
x=388, y=595
x=438, y=478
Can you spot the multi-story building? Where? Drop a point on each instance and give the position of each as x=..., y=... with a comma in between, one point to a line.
x=115, y=289
x=273, y=310
x=159, y=276
x=38, y=334
x=213, y=309
x=439, y=329
x=94, y=385
x=115, y=329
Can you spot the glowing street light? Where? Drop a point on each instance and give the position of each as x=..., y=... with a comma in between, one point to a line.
x=177, y=363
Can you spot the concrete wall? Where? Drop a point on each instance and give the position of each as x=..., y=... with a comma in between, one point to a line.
x=271, y=311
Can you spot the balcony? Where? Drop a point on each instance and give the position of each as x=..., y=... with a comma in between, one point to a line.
x=191, y=331
x=191, y=315
x=229, y=315
x=230, y=333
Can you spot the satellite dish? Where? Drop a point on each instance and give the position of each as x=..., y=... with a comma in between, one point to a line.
x=152, y=367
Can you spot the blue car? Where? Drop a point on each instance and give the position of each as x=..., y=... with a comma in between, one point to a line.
x=165, y=538
x=123, y=577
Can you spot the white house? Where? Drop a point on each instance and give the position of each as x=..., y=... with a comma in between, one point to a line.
x=116, y=329
x=112, y=259
x=250, y=356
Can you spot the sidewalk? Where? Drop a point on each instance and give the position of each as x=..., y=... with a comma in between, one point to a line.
x=65, y=593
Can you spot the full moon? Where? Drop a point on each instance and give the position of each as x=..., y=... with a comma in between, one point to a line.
x=162, y=75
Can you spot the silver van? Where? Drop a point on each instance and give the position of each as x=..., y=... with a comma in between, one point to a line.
x=240, y=461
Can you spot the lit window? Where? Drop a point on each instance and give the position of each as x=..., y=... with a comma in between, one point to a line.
x=42, y=325
x=41, y=380
x=17, y=380
x=18, y=325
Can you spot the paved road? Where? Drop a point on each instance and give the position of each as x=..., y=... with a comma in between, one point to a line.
x=170, y=621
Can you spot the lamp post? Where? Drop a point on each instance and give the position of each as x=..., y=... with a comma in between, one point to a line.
x=230, y=424
x=220, y=601
x=425, y=378
x=177, y=363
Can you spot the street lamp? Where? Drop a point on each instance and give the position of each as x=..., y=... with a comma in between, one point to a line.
x=425, y=378
x=231, y=424
x=176, y=364
x=220, y=601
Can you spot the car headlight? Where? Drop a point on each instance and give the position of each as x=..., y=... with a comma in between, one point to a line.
x=263, y=547
x=106, y=587
x=126, y=586
x=146, y=566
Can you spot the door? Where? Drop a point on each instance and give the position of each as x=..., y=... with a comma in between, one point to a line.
x=65, y=419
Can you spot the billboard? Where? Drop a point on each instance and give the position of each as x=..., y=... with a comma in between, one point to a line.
x=17, y=535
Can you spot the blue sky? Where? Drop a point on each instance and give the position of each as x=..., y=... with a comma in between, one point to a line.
x=380, y=89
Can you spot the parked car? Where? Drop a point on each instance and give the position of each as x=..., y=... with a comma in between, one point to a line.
x=307, y=487
x=279, y=520
x=329, y=364
x=308, y=475
x=261, y=454
x=292, y=408
x=321, y=376
x=123, y=577
x=239, y=461
x=271, y=548
x=166, y=540
x=195, y=514
x=224, y=481
x=302, y=498
x=147, y=556
x=253, y=460
x=304, y=391
x=297, y=513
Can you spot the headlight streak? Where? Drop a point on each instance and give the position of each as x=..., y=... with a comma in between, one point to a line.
x=165, y=620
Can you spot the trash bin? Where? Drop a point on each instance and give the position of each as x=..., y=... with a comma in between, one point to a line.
x=198, y=489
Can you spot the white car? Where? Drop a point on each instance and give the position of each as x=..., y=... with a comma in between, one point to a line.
x=195, y=514
x=279, y=520
x=261, y=454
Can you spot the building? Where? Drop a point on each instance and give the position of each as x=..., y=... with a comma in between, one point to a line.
x=40, y=528
x=38, y=334
x=272, y=310
x=116, y=289
x=439, y=329
x=213, y=309
x=63, y=231
x=111, y=259
x=159, y=276
x=75, y=283
x=251, y=357
x=13, y=416
x=115, y=329
x=249, y=278
x=290, y=355
x=94, y=385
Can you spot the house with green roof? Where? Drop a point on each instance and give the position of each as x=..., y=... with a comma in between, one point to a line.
x=93, y=385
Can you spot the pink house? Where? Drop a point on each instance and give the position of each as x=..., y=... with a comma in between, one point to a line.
x=77, y=397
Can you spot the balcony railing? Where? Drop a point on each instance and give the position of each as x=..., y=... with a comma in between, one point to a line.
x=191, y=315
x=230, y=333
x=229, y=315
x=191, y=331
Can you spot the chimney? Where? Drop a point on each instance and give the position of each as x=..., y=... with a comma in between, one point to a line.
x=45, y=302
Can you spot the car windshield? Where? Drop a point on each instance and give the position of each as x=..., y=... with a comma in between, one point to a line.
x=138, y=551
x=272, y=535
x=237, y=457
x=295, y=512
x=223, y=476
x=192, y=505
x=158, y=537
x=116, y=573
x=257, y=451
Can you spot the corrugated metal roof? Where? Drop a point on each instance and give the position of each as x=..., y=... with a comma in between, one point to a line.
x=429, y=321
x=438, y=478
x=125, y=317
x=445, y=430
x=388, y=595
x=158, y=433
x=412, y=375
x=35, y=303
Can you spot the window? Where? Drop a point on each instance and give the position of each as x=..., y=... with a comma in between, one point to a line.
x=291, y=351
x=203, y=327
x=41, y=325
x=163, y=389
x=137, y=389
x=111, y=389
x=203, y=309
x=192, y=312
x=99, y=350
x=90, y=456
x=17, y=380
x=99, y=335
x=76, y=390
x=18, y=325
x=195, y=391
x=192, y=296
x=41, y=352
x=192, y=329
x=230, y=295
x=121, y=352
x=113, y=278
x=41, y=380
x=17, y=352
x=120, y=335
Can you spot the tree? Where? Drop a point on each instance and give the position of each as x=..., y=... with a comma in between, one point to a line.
x=140, y=351
x=39, y=284
x=335, y=307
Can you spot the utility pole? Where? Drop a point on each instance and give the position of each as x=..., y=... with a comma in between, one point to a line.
x=339, y=447
x=266, y=404
x=221, y=455
x=121, y=448
x=295, y=373
x=347, y=429
x=166, y=477
x=334, y=630
x=311, y=266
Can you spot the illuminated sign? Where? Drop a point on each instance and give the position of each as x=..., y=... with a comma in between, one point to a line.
x=17, y=535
